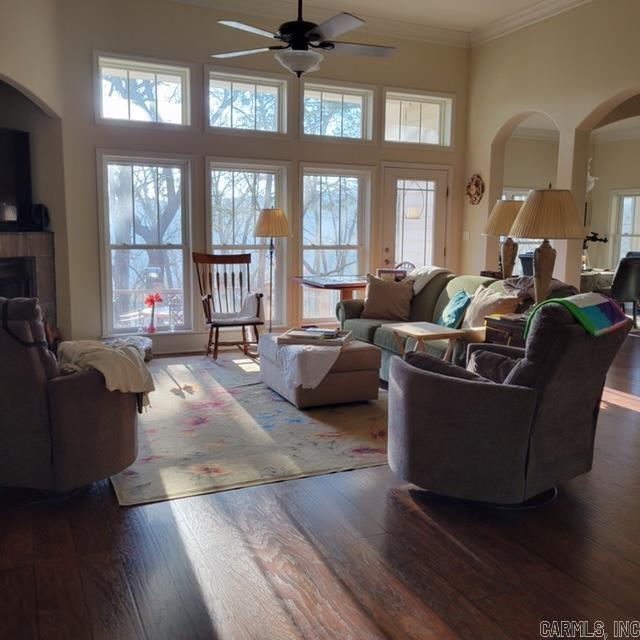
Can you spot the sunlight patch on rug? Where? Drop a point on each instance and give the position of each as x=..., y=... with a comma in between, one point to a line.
x=214, y=426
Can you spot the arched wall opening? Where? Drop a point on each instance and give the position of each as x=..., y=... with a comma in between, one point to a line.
x=524, y=156
x=22, y=111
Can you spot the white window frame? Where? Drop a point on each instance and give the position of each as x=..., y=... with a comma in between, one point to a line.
x=368, y=94
x=616, y=221
x=281, y=257
x=366, y=177
x=104, y=157
x=280, y=81
x=148, y=65
x=447, y=103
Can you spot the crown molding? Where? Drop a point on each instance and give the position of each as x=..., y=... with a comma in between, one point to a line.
x=282, y=10
x=375, y=26
x=524, y=18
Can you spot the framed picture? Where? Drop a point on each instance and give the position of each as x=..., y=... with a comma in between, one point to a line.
x=391, y=274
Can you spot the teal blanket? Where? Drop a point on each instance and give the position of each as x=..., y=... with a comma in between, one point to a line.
x=595, y=312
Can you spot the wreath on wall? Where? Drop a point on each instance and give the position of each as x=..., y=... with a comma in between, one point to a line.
x=475, y=188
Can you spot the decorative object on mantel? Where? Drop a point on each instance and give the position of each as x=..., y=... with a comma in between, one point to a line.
x=475, y=188
x=272, y=223
x=547, y=213
x=499, y=224
x=299, y=37
x=150, y=301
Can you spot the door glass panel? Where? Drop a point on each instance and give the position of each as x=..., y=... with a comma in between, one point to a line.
x=415, y=200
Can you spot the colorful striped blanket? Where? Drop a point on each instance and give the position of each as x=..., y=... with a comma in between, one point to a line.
x=595, y=312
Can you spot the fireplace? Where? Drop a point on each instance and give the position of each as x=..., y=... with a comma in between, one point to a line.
x=18, y=277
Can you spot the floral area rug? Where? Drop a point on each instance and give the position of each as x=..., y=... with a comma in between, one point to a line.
x=214, y=426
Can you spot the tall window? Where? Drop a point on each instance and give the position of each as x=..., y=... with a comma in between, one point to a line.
x=628, y=223
x=146, y=232
x=417, y=118
x=143, y=91
x=238, y=192
x=336, y=112
x=244, y=102
x=332, y=234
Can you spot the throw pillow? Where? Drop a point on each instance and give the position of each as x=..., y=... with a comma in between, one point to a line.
x=426, y=362
x=484, y=303
x=387, y=299
x=489, y=364
x=451, y=315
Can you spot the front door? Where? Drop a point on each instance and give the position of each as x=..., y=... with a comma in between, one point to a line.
x=414, y=216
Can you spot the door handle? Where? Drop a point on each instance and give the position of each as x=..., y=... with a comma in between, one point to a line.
x=387, y=261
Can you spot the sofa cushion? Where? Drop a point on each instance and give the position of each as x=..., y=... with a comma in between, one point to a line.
x=423, y=303
x=364, y=328
x=437, y=365
x=388, y=299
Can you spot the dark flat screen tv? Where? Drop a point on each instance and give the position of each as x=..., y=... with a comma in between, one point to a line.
x=15, y=181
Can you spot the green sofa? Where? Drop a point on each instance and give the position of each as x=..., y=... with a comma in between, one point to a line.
x=425, y=307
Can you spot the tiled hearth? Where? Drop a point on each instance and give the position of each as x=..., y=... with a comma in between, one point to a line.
x=38, y=245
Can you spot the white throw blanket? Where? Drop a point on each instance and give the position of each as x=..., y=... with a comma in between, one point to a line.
x=123, y=367
x=423, y=275
x=302, y=365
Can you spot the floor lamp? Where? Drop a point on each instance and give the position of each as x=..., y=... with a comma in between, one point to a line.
x=500, y=221
x=547, y=213
x=272, y=223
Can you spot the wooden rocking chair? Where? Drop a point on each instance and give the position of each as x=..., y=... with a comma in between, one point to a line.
x=227, y=299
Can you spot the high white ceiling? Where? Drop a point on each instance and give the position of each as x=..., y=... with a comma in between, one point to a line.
x=461, y=22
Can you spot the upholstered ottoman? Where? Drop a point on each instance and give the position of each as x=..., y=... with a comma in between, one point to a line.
x=353, y=378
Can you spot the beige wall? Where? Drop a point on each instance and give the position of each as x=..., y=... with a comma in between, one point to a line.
x=616, y=164
x=568, y=67
x=530, y=162
x=172, y=31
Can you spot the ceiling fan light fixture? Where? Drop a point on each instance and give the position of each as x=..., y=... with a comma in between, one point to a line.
x=299, y=61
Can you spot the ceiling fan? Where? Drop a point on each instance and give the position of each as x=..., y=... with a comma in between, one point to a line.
x=301, y=38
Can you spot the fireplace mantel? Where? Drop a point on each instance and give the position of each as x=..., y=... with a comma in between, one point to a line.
x=39, y=245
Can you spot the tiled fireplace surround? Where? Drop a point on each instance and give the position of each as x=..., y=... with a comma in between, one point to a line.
x=37, y=245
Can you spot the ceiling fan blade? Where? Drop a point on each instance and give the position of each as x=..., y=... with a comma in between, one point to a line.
x=355, y=48
x=237, y=54
x=246, y=27
x=335, y=26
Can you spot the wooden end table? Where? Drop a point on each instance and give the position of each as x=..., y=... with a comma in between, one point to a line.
x=424, y=332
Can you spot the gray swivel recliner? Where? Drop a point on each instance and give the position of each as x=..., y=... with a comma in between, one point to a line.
x=510, y=426
x=57, y=433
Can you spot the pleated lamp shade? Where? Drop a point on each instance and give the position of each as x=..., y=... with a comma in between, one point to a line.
x=548, y=214
x=502, y=216
x=272, y=223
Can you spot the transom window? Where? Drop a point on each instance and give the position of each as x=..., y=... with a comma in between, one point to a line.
x=146, y=222
x=336, y=112
x=332, y=234
x=417, y=118
x=246, y=103
x=237, y=193
x=143, y=91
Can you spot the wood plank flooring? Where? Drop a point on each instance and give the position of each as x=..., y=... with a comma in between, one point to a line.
x=349, y=555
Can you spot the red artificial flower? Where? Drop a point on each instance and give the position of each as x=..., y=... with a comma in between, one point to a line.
x=151, y=299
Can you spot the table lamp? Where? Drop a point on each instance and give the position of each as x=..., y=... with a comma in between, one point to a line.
x=547, y=213
x=500, y=221
x=272, y=223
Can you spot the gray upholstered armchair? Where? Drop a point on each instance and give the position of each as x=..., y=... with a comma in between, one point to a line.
x=510, y=426
x=57, y=432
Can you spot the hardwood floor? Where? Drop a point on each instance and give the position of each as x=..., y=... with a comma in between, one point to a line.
x=349, y=555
